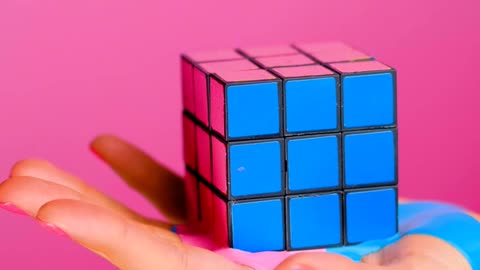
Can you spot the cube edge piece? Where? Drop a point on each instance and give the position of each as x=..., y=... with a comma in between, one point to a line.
x=226, y=83
x=288, y=78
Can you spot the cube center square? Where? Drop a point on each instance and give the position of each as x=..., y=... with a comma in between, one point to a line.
x=291, y=146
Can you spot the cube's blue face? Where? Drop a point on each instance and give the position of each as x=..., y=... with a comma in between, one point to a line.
x=313, y=163
x=311, y=105
x=368, y=100
x=315, y=221
x=253, y=110
x=256, y=168
x=261, y=221
x=370, y=215
x=370, y=158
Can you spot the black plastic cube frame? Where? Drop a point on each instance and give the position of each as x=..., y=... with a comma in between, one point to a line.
x=342, y=220
x=256, y=137
x=339, y=187
x=336, y=76
x=396, y=159
x=354, y=190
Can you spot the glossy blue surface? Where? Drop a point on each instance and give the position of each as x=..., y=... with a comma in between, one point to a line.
x=253, y=109
x=311, y=104
x=370, y=158
x=256, y=168
x=444, y=221
x=370, y=215
x=258, y=226
x=368, y=100
x=313, y=163
x=315, y=221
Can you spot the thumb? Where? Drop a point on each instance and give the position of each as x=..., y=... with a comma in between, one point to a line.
x=322, y=261
x=127, y=244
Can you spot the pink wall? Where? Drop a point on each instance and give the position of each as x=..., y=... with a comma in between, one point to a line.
x=72, y=69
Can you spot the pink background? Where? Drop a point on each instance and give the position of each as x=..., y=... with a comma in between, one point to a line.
x=72, y=69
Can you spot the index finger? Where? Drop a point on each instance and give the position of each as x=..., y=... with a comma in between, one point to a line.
x=163, y=188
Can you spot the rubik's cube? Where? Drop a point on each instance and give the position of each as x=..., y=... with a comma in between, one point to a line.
x=290, y=148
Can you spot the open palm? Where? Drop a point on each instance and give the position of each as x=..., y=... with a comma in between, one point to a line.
x=130, y=241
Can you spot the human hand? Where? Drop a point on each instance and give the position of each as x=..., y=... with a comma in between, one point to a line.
x=130, y=241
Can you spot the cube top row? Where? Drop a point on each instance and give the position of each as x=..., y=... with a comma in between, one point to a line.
x=325, y=52
x=288, y=90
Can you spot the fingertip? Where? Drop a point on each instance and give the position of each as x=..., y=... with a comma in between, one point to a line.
x=88, y=224
x=29, y=167
x=101, y=140
x=56, y=211
x=29, y=193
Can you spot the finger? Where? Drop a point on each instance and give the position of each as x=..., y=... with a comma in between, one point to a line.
x=324, y=261
x=125, y=243
x=28, y=194
x=40, y=171
x=141, y=172
x=45, y=170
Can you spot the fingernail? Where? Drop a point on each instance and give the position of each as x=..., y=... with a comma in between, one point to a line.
x=10, y=207
x=53, y=229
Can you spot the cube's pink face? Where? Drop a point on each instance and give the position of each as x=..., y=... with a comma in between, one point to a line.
x=212, y=56
x=187, y=86
x=206, y=215
x=310, y=47
x=361, y=66
x=217, y=93
x=278, y=50
x=217, y=106
x=219, y=165
x=284, y=61
x=225, y=66
x=246, y=76
x=204, y=160
x=201, y=95
x=220, y=222
x=303, y=71
x=340, y=56
x=331, y=52
x=191, y=194
x=189, y=143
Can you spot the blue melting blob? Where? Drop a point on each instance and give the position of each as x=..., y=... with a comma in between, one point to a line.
x=446, y=222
